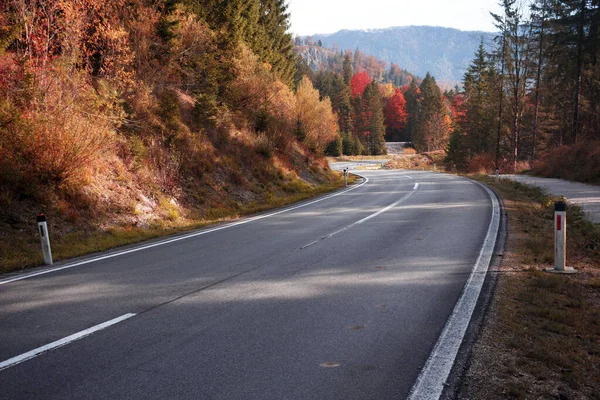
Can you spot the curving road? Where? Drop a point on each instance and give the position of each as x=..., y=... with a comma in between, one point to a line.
x=339, y=298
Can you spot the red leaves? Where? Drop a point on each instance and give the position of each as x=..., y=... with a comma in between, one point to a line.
x=359, y=83
x=395, y=111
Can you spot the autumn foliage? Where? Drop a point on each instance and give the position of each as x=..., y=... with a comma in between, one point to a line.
x=359, y=83
x=396, y=114
x=109, y=107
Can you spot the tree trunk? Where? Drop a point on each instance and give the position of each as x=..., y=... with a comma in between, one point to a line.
x=577, y=94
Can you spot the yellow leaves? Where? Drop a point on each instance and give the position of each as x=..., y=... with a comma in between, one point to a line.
x=317, y=121
x=387, y=90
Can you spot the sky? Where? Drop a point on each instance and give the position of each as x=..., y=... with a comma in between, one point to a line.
x=310, y=17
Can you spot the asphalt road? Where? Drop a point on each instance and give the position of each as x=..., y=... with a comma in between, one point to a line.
x=342, y=298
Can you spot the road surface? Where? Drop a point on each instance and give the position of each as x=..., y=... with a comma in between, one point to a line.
x=343, y=297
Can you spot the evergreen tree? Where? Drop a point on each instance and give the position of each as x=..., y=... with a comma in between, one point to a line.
x=433, y=123
x=475, y=118
x=335, y=148
x=514, y=50
x=347, y=69
x=340, y=100
x=412, y=97
x=262, y=25
x=273, y=43
x=480, y=98
x=374, y=120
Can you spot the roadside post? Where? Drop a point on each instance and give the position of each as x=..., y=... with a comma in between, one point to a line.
x=45, y=238
x=345, y=176
x=434, y=167
x=560, y=240
x=497, y=175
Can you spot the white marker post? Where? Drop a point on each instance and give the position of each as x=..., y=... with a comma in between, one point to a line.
x=345, y=176
x=45, y=239
x=560, y=240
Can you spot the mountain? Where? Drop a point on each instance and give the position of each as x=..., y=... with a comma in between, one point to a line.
x=444, y=52
x=315, y=57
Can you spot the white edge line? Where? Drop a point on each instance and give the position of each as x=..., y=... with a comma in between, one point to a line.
x=204, y=232
x=430, y=383
x=62, y=342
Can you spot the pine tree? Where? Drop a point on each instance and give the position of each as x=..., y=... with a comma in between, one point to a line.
x=412, y=96
x=514, y=50
x=347, y=69
x=480, y=99
x=433, y=123
x=374, y=120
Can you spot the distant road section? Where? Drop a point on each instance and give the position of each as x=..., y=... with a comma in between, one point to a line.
x=395, y=148
x=586, y=196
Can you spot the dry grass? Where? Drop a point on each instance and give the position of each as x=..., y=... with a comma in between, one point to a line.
x=22, y=249
x=540, y=339
x=414, y=162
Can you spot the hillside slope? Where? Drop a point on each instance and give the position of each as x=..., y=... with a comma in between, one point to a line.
x=155, y=123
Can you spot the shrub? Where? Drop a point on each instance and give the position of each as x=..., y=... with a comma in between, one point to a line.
x=60, y=141
x=580, y=162
x=481, y=163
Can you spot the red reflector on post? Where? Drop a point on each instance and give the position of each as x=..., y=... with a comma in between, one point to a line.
x=558, y=222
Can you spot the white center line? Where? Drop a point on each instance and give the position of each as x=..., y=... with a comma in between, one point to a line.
x=62, y=342
x=394, y=204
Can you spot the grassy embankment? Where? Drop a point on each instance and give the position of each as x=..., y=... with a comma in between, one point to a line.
x=22, y=248
x=542, y=334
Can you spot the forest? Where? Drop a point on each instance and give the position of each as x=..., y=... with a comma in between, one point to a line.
x=528, y=101
x=375, y=103
x=534, y=101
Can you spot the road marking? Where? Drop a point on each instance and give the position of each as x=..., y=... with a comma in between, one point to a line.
x=430, y=383
x=416, y=186
x=191, y=235
x=62, y=342
x=394, y=204
x=310, y=244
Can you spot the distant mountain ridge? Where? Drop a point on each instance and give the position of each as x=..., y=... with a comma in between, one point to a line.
x=444, y=52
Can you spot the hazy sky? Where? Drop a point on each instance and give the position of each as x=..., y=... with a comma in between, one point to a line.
x=328, y=16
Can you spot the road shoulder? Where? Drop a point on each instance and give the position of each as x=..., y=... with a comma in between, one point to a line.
x=539, y=336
